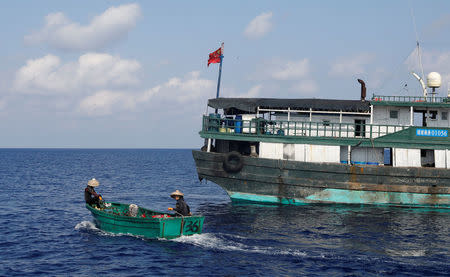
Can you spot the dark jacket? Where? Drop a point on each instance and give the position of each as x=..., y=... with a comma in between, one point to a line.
x=90, y=196
x=182, y=208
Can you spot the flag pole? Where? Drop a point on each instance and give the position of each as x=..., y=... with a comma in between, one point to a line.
x=220, y=72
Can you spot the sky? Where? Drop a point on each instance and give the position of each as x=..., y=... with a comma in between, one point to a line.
x=133, y=74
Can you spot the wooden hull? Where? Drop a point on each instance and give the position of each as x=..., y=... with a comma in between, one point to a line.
x=298, y=183
x=115, y=220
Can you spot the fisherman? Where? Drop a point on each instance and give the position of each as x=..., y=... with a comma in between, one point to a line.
x=181, y=209
x=90, y=196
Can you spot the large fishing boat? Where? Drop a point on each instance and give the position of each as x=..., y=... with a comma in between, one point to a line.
x=387, y=150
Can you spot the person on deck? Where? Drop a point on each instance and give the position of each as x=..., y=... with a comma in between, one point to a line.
x=181, y=208
x=90, y=196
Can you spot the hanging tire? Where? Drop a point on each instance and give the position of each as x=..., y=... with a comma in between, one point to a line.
x=232, y=162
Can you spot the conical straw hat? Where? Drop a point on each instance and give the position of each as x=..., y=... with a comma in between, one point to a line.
x=93, y=183
x=176, y=193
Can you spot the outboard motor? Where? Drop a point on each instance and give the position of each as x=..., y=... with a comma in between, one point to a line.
x=133, y=210
x=363, y=89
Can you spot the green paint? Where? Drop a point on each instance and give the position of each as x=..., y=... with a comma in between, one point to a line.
x=113, y=219
x=338, y=196
x=265, y=199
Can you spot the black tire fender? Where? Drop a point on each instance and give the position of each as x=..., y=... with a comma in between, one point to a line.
x=232, y=162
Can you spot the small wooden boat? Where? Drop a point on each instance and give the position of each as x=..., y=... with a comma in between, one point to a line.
x=123, y=219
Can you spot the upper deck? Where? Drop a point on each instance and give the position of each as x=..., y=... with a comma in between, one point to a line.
x=332, y=122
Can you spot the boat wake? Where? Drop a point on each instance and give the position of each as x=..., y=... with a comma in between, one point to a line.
x=86, y=225
x=406, y=253
x=89, y=226
x=217, y=242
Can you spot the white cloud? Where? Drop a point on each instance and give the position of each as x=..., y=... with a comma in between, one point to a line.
x=105, y=102
x=350, y=66
x=306, y=87
x=110, y=26
x=102, y=69
x=259, y=26
x=48, y=75
x=290, y=70
x=189, y=89
x=254, y=91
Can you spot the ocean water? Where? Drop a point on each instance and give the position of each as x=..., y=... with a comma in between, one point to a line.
x=45, y=230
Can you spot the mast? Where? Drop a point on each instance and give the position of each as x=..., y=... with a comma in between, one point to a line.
x=420, y=78
x=220, y=70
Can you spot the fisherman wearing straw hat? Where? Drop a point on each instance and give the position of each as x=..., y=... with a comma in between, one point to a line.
x=90, y=196
x=181, y=209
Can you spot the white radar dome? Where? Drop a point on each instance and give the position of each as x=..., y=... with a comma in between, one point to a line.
x=434, y=80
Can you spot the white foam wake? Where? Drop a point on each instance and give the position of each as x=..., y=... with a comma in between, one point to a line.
x=406, y=253
x=211, y=241
x=90, y=226
x=86, y=225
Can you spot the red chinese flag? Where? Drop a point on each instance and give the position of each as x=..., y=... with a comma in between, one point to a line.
x=214, y=57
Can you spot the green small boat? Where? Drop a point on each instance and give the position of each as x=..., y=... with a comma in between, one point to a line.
x=130, y=219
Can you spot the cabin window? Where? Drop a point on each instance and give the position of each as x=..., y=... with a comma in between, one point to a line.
x=387, y=156
x=427, y=157
x=393, y=114
x=423, y=153
x=433, y=115
x=326, y=123
x=444, y=115
x=360, y=128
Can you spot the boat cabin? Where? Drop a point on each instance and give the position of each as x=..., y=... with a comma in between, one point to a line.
x=394, y=131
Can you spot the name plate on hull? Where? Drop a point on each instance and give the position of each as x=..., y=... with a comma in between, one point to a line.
x=431, y=133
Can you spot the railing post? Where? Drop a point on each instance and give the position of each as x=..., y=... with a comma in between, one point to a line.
x=257, y=127
x=371, y=114
x=411, y=116
x=349, y=154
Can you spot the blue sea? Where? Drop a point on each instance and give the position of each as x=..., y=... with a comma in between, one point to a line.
x=45, y=229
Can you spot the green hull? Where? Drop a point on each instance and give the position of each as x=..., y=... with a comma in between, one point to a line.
x=298, y=183
x=147, y=223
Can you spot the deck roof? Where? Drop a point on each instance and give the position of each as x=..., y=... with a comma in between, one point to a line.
x=250, y=105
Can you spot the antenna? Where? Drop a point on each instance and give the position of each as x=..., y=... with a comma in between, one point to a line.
x=417, y=41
